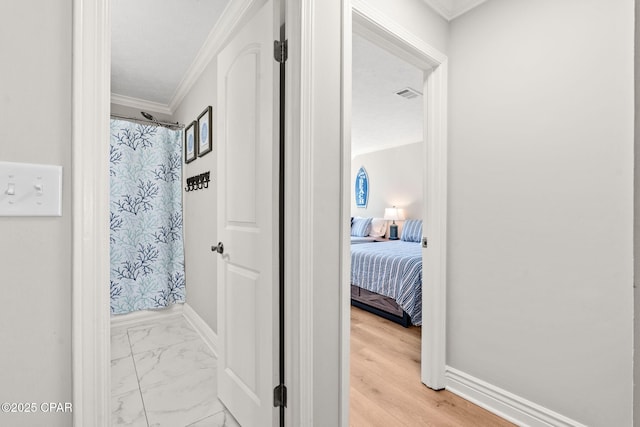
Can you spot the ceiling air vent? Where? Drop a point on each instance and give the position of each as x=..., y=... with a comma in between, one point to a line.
x=408, y=93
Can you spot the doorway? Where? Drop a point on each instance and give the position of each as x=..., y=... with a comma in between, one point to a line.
x=387, y=34
x=387, y=146
x=91, y=322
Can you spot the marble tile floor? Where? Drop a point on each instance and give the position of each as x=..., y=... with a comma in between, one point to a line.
x=164, y=375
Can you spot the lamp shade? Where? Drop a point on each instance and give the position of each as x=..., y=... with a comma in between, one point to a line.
x=393, y=213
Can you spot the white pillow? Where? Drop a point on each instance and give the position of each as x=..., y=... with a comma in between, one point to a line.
x=378, y=227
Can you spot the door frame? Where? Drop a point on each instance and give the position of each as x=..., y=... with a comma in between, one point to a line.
x=378, y=28
x=90, y=349
x=319, y=198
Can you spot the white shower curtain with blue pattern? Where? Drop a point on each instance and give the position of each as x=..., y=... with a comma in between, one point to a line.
x=147, y=252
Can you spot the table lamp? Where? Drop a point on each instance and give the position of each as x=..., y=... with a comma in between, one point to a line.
x=393, y=214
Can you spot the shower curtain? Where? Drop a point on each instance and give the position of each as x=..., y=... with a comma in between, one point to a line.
x=147, y=252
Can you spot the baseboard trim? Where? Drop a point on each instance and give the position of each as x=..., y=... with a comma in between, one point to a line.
x=207, y=334
x=503, y=403
x=123, y=321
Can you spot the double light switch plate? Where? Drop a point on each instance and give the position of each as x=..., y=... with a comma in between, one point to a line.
x=30, y=190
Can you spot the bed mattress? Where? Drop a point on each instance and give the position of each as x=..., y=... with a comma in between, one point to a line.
x=392, y=269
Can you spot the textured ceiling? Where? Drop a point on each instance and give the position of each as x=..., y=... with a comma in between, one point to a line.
x=154, y=42
x=380, y=118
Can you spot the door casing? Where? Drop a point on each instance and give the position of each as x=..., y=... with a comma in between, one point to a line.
x=368, y=22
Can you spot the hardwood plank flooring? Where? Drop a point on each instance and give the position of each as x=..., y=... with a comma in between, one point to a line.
x=386, y=390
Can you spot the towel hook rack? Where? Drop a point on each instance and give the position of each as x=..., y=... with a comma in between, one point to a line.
x=198, y=182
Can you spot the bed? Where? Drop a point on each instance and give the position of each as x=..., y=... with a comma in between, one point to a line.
x=386, y=279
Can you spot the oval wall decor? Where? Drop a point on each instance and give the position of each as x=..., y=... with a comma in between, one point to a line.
x=362, y=188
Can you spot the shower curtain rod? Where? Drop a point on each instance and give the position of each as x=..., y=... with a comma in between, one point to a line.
x=154, y=122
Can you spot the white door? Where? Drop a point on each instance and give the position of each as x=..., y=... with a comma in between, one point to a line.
x=248, y=221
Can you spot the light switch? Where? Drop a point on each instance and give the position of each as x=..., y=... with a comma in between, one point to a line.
x=30, y=190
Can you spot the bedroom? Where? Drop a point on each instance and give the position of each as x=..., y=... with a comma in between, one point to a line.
x=386, y=144
x=386, y=192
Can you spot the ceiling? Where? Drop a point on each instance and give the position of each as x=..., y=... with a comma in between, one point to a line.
x=154, y=44
x=381, y=119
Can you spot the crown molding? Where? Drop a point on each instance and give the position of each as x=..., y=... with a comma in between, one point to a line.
x=464, y=6
x=451, y=9
x=140, y=104
x=232, y=15
x=443, y=7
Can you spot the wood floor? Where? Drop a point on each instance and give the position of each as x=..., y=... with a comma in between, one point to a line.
x=385, y=381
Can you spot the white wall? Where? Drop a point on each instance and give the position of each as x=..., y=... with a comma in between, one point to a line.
x=35, y=253
x=418, y=18
x=200, y=206
x=395, y=179
x=540, y=273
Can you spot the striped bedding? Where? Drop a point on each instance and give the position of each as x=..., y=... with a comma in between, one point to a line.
x=392, y=269
x=357, y=240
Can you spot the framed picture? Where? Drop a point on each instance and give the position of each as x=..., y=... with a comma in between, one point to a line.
x=190, y=141
x=205, y=132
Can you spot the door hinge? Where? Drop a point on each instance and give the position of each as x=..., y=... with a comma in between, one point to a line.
x=280, y=396
x=425, y=242
x=280, y=50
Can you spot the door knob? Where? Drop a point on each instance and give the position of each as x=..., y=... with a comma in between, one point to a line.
x=219, y=248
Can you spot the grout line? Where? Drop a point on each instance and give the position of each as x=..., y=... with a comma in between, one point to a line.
x=208, y=416
x=167, y=346
x=135, y=368
x=165, y=321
